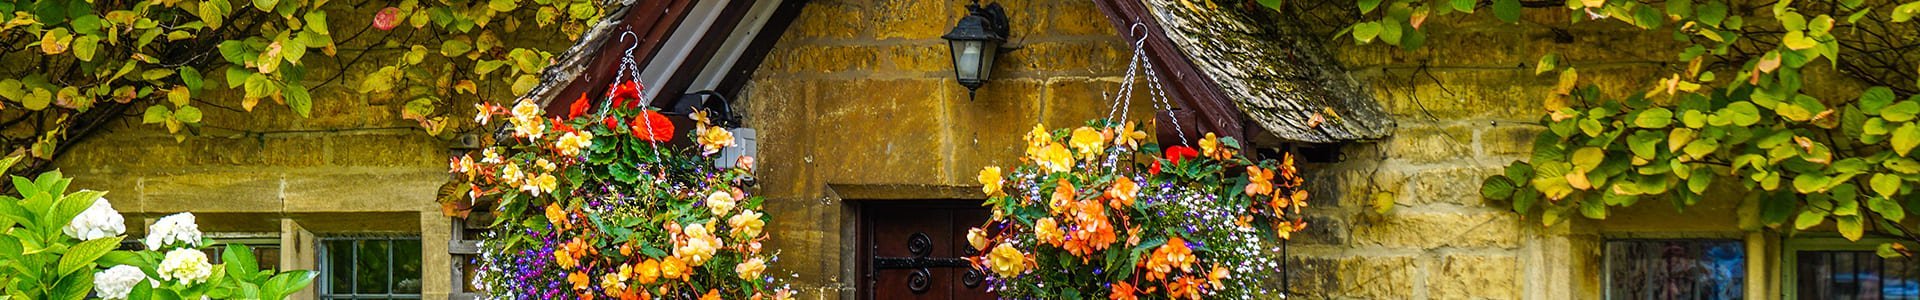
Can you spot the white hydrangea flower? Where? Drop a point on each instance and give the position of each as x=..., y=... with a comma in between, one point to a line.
x=175, y=229
x=116, y=282
x=186, y=266
x=98, y=221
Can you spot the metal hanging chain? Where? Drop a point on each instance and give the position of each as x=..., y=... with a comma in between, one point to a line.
x=1157, y=94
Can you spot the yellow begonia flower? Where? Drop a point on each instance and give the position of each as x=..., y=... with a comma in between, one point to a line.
x=554, y=214
x=747, y=224
x=977, y=238
x=714, y=139
x=699, y=245
x=751, y=269
x=649, y=270
x=1007, y=261
x=570, y=143
x=991, y=181
x=1048, y=231
x=1037, y=141
x=1210, y=146
x=1129, y=136
x=526, y=110
x=720, y=202
x=1088, y=142
x=674, y=268
x=1055, y=158
x=511, y=174
x=545, y=183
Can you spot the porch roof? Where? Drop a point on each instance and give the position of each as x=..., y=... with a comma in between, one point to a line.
x=1263, y=65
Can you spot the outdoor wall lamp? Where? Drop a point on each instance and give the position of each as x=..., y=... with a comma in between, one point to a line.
x=975, y=41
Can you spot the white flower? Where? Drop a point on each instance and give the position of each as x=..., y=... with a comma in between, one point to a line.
x=187, y=266
x=116, y=282
x=175, y=229
x=98, y=221
x=720, y=202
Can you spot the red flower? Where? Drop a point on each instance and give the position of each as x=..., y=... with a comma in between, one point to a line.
x=652, y=126
x=1177, y=153
x=579, y=107
x=626, y=90
x=561, y=126
x=612, y=123
x=1155, y=170
x=387, y=18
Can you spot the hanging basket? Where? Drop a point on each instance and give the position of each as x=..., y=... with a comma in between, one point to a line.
x=601, y=204
x=1099, y=211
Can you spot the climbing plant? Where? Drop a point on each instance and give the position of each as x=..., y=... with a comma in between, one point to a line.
x=1729, y=119
x=75, y=65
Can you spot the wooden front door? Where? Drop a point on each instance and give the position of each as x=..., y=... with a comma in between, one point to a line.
x=913, y=250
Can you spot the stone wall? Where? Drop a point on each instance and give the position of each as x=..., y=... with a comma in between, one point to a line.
x=858, y=102
x=355, y=167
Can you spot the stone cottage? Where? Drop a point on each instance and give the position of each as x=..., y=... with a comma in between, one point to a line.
x=864, y=136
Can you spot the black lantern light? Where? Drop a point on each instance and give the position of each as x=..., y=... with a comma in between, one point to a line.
x=974, y=42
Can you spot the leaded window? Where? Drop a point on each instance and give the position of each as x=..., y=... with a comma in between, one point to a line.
x=369, y=268
x=1692, y=269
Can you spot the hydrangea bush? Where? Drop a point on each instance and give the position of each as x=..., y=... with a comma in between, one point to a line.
x=1098, y=211
x=602, y=206
x=54, y=244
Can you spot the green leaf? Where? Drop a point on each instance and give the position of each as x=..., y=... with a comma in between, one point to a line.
x=191, y=77
x=1850, y=227
x=1875, y=98
x=503, y=5
x=1365, y=32
x=1809, y=218
x=1885, y=184
x=1887, y=208
x=1507, y=10
x=1497, y=188
x=1741, y=113
x=265, y=5
x=1885, y=250
x=1593, y=209
x=187, y=114
x=1547, y=62
x=1901, y=112
x=1465, y=6
x=1711, y=13
x=316, y=21
x=240, y=262
x=455, y=47
x=1658, y=117
x=298, y=99
x=1777, y=207
x=1586, y=158
x=213, y=12
x=82, y=255
x=85, y=46
x=1905, y=138
x=525, y=83
x=1367, y=6
x=286, y=283
x=156, y=114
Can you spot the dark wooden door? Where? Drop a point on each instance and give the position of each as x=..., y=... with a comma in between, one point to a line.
x=912, y=250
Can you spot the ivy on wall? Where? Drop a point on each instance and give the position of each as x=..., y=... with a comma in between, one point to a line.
x=1731, y=118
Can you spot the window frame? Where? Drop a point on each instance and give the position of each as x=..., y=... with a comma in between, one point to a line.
x=1606, y=261
x=1790, y=256
x=323, y=285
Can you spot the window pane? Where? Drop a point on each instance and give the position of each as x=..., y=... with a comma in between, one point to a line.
x=372, y=270
x=1853, y=275
x=340, y=266
x=406, y=266
x=1675, y=269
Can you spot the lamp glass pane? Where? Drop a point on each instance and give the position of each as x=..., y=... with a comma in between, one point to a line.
x=989, y=50
x=966, y=59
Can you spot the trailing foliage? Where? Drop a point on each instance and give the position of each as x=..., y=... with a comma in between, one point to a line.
x=1731, y=112
x=78, y=64
x=601, y=205
x=1097, y=212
